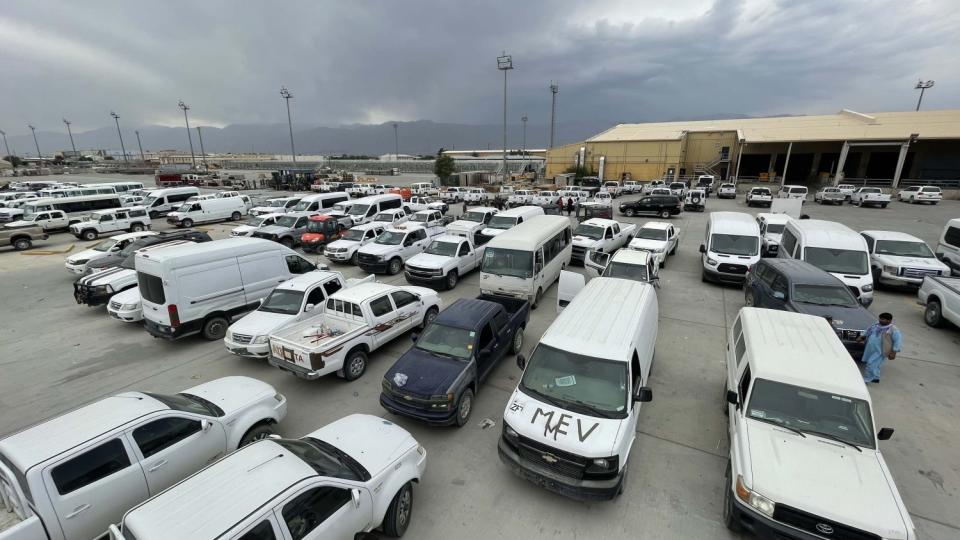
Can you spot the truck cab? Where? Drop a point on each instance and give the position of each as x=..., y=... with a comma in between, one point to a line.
x=389, y=252
x=448, y=258
x=392, y=217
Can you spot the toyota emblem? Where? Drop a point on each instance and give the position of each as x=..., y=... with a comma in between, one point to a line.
x=824, y=528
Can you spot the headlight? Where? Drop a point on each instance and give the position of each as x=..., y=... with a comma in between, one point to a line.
x=379, y=258
x=509, y=431
x=711, y=262
x=603, y=467
x=278, y=396
x=80, y=261
x=260, y=340
x=129, y=307
x=442, y=401
x=755, y=500
x=867, y=288
x=891, y=269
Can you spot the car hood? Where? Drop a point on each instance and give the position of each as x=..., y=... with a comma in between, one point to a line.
x=85, y=255
x=825, y=478
x=244, y=229
x=911, y=262
x=116, y=277
x=579, y=434
x=420, y=372
x=644, y=244
x=343, y=244
x=232, y=394
x=492, y=232
x=129, y=296
x=374, y=442
x=426, y=260
x=258, y=323
x=583, y=241
x=466, y=225
x=112, y=259
x=19, y=223
x=851, y=318
x=374, y=248
x=273, y=229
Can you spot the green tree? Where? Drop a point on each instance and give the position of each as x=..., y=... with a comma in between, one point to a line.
x=13, y=160
x=444, y=166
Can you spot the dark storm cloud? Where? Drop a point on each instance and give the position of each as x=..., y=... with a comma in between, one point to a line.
x=362, y=62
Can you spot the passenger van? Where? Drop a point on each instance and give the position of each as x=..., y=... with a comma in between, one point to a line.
x=793, y=192
x=208, y=210
x=833, y=247
x=525, y=261
x=363, y=209
x=74, y=207
x=571, y=422
x=730, y=247
x=118, y=187
x=161, y=201
x=199, y=288
x=948, y=247
x=509, y=218
x=320, y=201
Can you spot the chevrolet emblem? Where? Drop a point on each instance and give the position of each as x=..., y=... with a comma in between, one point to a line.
x=549, y=458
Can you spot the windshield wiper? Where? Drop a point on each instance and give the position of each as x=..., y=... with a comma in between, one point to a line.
x=587, y=407
x=834, y=438
x=551, y=400
x=781, y=424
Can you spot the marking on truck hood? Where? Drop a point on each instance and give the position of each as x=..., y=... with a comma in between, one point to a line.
x=563, y=422
x=400, y=379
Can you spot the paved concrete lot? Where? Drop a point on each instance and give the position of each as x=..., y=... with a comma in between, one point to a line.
x=57, y=355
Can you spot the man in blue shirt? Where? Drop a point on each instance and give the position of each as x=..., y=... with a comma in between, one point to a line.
x=883, y=342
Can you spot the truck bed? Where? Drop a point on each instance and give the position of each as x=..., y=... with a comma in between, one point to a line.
x=316, y=333
x=951, y=284
x=515, y=307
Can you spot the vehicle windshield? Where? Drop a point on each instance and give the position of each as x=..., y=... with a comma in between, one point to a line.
x=325, y=459
x=734, y=244
x=446, y=249
x=502, y=222
x=390, y=238
x=831, y=190
x=840, y=261
x=316, y=226
x=812, y=411
x=185, y=207
x=775, y=228
x=283, y=301
x=824, y=295
x=677, y=185
x=384, y=216
x=652, y=234
x=277, y=203
x=359, y=209
x=507, y=262
x=255, y=221
x=930, y=190
x=447, y=341
x=635, y=272
x=474, y=216
x=301, y=206
x=287, y=221
x=353, y=234
x=106, y=245
x=187, y=403
x=904, y=248
x=341, y=207
x=33, y=217
x=590, y=231
x=422, y=218
x=590, y=386
x=150, y=200
x=870, y=190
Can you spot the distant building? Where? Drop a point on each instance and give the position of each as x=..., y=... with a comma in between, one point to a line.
x=396, y=157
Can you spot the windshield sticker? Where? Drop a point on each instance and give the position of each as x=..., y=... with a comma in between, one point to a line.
x=843, y=399
x=472, y=333
x=757, y=413
x=807, y=395
x=563, y=422
x=569, y=380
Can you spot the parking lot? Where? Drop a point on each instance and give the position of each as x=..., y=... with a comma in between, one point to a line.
x=58, y=355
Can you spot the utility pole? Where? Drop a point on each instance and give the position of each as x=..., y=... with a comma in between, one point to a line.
x=186, y=108
x=554, y=88
x=287, y=96
x=34, y=130
x=523, y=148
x=70, y=133
x=396, y=143
x=203, y=153
x=7, y=146
x=921, y=86
x=140, y=146
x=505, y=64
x=116, y=118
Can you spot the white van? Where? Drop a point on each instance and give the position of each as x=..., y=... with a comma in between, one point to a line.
x=571, y=422
x=321, y=201
x=731, y=246
x=948, y=246
x=833, y=247
x=525, y=261
x=508, y=219
x=161, y=201
x=792, y=192
x=363, y=209
x=208, y=210
x=198, y=288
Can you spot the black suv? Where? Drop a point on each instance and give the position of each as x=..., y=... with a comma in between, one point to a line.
x=660, y=205
x=114, y=259
x=798, y=286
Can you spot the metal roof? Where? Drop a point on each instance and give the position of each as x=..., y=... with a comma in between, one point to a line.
x=842, y=126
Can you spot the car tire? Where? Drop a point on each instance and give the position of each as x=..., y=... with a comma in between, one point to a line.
x=136, y=227
x=884, y=205
x=187, y=223
x=629, y=212
x=287, y=241
x=663, y=263
x=260, y=431
x=452, y=278
x=536, y=299
x=933, y=314
x=235, y=216
x=748, y=299
x=703, y=276
x=664, y=214
x=395, y=265
x=729, y=518
x=428, y=317
x=354, y=257
x=21, y=244
x=517, y=343
x=354, y=364
x=215, y=328
x=464, y=407
x=397, y=518
x=88, y=234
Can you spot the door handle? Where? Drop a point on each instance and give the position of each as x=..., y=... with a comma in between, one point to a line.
x=157, y=465
x=77, y=511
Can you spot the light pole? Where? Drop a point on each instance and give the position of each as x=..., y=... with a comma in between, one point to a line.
x=523, y=147
x=70, y=133
x=186, y=108
x=921, y=86
x=554, y=88
x=396, y=143
x=287, y=96
x=123, y=149
x=7, y=146
x=34, y=130
x=203, y=153
x=140, y=146
x=505, y=64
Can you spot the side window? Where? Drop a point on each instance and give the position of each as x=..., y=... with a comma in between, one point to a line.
x=159, y=434
x=464, y=249
x=499, y=320
x=952, y=236
x=737, y=328
x=392, y=203
x=869, y=240
x=332, y=286
x=616, y=228
x=298, y=265
x=768, y=276
x=137, y=213
x=301, y=223
x=402, y=298
x=538, y=260
x=788, y=242
x=90, y=466
x=369, y=234
x=760, y=270
x=316, y=296
x=608, y=234
x=486, y=337
x=311, y=508
x=740, y=349
x=381, y=306
x=744, y=385
x=105, y=218
x=779, y=284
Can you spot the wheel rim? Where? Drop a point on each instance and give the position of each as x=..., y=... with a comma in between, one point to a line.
x=749, y=300
x=356, y=366
x=217, y=328
x=452, y=280
x=431, y=316
x=630, y=213
x=403, y=510
x=465, y=404
x=932, y=314
x=518, y=340
x=21, y=244
x=394, y=266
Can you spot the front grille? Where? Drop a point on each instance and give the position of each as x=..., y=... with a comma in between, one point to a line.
x=854, y=290
x=918, y=273
x=242, y=339
x=399, y=394
x=115, y=305
x=728, y=268
x=552, y=459
x=848, y=335
x=773, y=248
x=367, y=258
x=818, y=526
x=427, y=272
x=266, y=236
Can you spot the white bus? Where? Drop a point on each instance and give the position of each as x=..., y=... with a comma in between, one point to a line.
x=74, y=207
x=75, y=191
x=119, y=187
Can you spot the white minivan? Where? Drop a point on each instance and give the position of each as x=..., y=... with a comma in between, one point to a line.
x=730, y=247
x=525, y=261
x=833, y=247
x=363, y=209
x=208, y=210
x=793, y=192
x=161, y=201
x=509, y=218
x=197, y=288
x=319, y=202
x=572, y=420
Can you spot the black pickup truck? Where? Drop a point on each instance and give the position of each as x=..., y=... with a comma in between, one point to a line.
x=437, y=379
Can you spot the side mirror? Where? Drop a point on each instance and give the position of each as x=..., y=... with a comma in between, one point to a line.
x=309, y=307
x=414, y=337
x=703, y=248
x=779, y=295
x=205, y=425
x=733, y=398
x=885, y=434
x=521, y=362
x=644, y=395
x=355, y=493
x=656, y=282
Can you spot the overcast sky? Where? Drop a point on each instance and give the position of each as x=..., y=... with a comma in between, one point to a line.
x=375, y=61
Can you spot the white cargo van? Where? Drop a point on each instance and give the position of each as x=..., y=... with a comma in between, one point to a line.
x=363, y=209
x=571, y=422
x=199, y=288
x=833, y=247
x=208, y=210
x=322, y=201
x=525, y=261
x=161, y=201
x=509, y=218
x=730, y=247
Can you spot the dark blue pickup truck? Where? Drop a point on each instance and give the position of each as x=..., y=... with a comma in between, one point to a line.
x=437, y=379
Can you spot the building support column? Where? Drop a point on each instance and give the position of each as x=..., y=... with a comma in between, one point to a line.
x=862, y=166
x=815, y=165
x=900, y=159
x=786, y=164
x=740, y=147
x=838, y=175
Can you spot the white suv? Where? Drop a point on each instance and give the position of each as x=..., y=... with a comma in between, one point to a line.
x=133, y=219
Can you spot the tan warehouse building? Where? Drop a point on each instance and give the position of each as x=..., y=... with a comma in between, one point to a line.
x=852, y=146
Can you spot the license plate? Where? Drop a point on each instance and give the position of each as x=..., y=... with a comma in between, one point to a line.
x=239, y=350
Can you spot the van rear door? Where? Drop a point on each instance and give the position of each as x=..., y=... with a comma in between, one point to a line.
x=569, y=284
x=260, y=273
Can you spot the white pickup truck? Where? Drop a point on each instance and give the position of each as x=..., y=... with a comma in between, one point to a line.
x=422, y=202
x=448, y=258
x=49, y=220
x=940, y=297
x=345, y=249
x=520, y=197
x=394, y=246
x=453, y=194
x=354, y=323
x=870, y=196
x=598, y=234
x=476, y=196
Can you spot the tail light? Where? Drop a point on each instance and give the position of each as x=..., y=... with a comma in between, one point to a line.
x=174, y=315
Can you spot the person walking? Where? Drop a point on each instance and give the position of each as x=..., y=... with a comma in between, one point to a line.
x=883, y=341
x=560, y=206
x=569, y=206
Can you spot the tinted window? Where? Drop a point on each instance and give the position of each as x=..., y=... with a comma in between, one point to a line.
x=464, y=249
x=737, y=328
x=151, y=288
x=311, y=508
x=137, y=213
x=331, y=286
x=788, y=241
x=298, y=265
x=769, y=275
x=869, y=240
x=159, y=434
x=402, y=298
x=263, y=531
x=316, y=296
x=952, y=236
x=779, y=284
x=381, y=306
x=745, y=385
x=90, y=466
